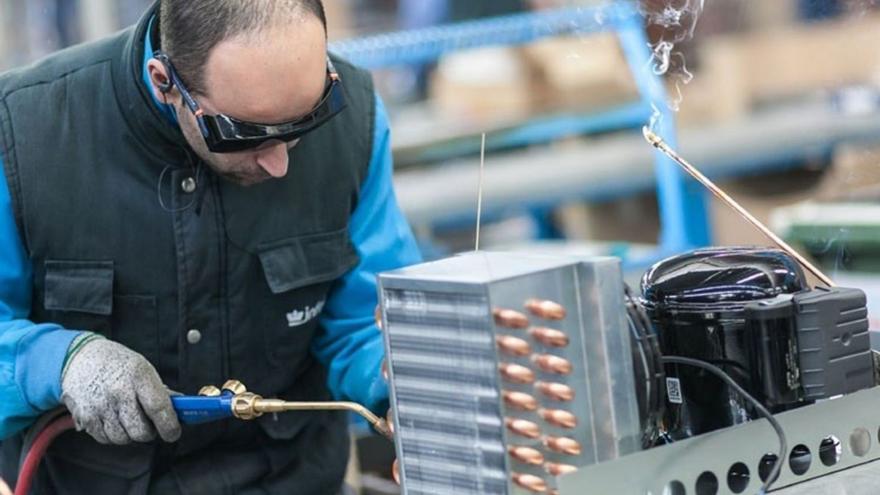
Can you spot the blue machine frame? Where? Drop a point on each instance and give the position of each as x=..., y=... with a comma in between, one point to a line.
x=683, y=207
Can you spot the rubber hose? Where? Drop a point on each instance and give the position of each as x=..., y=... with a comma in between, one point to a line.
x=38, y=449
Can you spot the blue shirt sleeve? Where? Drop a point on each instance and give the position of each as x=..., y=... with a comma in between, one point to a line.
x=30, y=355
x=350, y=344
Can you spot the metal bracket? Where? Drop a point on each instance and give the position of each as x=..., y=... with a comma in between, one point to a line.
x=823, y=438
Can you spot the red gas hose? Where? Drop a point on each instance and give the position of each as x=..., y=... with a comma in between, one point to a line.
x=38, y=449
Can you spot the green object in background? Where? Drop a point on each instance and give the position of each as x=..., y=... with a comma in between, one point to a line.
x=840, y=236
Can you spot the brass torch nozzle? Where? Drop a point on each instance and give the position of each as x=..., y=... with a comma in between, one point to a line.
x=276, y=405
x=248, y=406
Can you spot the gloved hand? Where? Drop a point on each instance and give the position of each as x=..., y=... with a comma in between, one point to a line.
x=115, y=394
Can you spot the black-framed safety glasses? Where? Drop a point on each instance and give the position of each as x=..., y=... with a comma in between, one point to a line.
x=224, y=134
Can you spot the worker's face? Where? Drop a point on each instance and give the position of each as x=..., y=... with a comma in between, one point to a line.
x=273, y=77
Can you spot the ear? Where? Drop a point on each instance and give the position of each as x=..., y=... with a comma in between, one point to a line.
x=159, y=78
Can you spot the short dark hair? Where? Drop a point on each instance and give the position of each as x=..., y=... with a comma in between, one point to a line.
x=190, y=29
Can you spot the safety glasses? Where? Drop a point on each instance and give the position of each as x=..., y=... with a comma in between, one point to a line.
x=224, y=134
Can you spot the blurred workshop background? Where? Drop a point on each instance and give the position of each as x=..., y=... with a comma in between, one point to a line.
x=779, y=101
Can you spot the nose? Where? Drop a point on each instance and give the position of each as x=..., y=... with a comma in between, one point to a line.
x=274, y=160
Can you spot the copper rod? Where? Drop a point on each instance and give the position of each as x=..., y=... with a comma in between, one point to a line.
x=516, y=373
x=530, y=482
x=549, y=336
x=513, y=346
x=526, y=455
x=657, y=142
x=558, y=469
x=523, y=427
x=509, y=318
x=520, y=400
x=559, y=417
x=549, y=310
x=556, y=391
x=553, y=364
x=377, y=315
x=563, y=445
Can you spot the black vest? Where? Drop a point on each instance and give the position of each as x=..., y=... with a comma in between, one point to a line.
x=87, y=155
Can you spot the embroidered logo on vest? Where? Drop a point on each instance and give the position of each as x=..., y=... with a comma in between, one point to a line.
x=299, y=317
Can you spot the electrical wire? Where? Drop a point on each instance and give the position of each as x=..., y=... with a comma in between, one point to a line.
x=783, y=442
x=655, y=377
x=645, y=365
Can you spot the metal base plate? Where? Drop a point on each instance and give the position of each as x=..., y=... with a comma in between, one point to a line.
x=730, y=461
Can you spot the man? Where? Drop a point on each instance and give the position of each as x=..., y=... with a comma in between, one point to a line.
x=203, y=196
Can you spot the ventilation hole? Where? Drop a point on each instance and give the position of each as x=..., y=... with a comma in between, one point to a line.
x=707, y=484
x=860, y=442
x=674, y=488
x=830, y=450
x=800, y=459
x=738, y=477
x=765, y=466
x=846, y=338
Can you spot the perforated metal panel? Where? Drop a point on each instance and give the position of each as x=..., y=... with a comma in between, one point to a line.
x=823, y=439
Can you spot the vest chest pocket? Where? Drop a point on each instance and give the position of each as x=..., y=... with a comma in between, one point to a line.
x=79, y=295
x=299, y=272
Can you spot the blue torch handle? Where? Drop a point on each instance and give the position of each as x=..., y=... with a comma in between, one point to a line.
x=195, y=409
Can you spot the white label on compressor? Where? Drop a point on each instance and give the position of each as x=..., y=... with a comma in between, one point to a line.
x=673, y=390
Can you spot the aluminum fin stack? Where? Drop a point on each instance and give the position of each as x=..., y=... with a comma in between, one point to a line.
x=507, y=370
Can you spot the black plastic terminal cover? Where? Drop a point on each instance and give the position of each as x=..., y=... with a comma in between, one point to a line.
x=833, y=342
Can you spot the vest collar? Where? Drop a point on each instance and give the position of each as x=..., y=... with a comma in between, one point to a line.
x=148, y=123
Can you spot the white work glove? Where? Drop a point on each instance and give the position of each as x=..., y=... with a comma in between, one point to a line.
x=115, y=394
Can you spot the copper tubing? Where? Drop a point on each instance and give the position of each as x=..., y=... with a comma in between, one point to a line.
x=516, y=373
x=557, y=469
x=563, y=445
x=523, y=427
x=530, y=482
x=549, y=336
x=509, y=318
x=519, y=400
x=378, y=315
x=548, y=310
x=657, y=142
x=513, y=346
x=553, y=364
x=526, y=455
x=389, y=421
x=556, y=391
x=558, y=417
